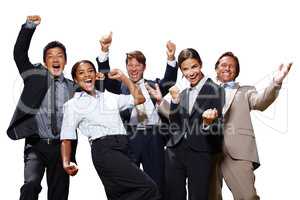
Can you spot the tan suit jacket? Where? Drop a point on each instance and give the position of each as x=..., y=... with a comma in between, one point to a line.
x=239, y=138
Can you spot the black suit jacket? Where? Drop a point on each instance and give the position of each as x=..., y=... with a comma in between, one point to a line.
x=210, y=96
x=36, y=79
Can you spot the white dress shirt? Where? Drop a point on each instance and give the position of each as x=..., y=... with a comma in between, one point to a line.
x=93, y=116
x=194, y=91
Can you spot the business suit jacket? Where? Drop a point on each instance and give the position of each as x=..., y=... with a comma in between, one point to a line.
x=36, y=79
x=210, y=96
x=239, y=138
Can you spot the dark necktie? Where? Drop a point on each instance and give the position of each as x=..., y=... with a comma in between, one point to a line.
x=54, y=107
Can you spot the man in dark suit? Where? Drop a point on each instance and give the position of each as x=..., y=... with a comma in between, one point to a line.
x=143, y=123
x=38, y=115
x=196, y=118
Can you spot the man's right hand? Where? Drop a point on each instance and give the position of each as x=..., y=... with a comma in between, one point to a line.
x=70, y=168
x=105, y=42
x=36, y=19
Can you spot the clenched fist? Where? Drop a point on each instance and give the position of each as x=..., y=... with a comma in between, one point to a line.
x=105, y=42
x=36, y=19
x=209, y=116
x=171, y=48
x=175, y=94
x=116, y=74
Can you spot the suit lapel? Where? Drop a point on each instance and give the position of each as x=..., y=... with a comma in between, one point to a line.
x=200, y=102
x=230, y=99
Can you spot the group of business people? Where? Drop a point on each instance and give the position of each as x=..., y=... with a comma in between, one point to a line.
x=204, y=135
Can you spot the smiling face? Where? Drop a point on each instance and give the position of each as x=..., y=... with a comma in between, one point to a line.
x=191, y=70
x=55, y=61
x=226, y=69
x=85, y=77
x=135, y=69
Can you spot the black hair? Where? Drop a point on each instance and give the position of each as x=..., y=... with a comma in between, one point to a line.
x=54, y=44
x=76, y=65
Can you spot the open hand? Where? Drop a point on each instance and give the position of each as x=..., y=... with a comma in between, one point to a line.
x=283, y=70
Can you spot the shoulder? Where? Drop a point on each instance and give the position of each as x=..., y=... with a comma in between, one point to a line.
x=246, y=88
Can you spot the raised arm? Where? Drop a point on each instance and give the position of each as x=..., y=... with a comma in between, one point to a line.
x=111, y=85
x=262, y=100
x=170, y=75
x=23, y=42
x=116, y=74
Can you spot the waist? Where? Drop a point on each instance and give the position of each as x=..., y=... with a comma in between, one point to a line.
x=42, y=140
x=108, y=138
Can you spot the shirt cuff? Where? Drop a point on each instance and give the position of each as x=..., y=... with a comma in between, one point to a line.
x=30, y=25
x=172, y=63
x=175, y=101
x=103, y=56
x=205, y=127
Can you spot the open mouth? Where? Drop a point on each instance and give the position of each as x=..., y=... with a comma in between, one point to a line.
x=88, y=81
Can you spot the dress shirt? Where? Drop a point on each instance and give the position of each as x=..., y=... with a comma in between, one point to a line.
x=43, y=116
x=151, y=110
x=94, y=117
x=194, y=91
x=229, y=90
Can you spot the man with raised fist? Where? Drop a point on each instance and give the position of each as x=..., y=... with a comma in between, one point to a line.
x=38, y=115
x=143, y=122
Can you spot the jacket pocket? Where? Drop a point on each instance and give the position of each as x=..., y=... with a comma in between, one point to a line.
x=248, y=132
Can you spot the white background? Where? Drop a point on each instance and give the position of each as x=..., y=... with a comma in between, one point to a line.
x=262, y=34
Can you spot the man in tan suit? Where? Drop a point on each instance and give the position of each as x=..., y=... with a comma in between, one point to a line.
x=240, y=155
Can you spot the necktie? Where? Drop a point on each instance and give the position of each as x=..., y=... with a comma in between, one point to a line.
x=54, y=107
x=141, y=112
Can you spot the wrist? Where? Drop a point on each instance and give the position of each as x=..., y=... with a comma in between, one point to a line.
x=171, y=58
x=104, y=49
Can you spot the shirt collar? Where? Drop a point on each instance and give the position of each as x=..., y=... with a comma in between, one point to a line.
x=140, y=82
x=229, y=85
x=85, y=94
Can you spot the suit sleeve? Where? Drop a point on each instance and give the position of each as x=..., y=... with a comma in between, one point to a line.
x=113, y=86
x=169, y=79
x=21, y=49
x=262, y=100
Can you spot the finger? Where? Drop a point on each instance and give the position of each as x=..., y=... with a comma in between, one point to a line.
x=157, y=87
x=280, y=67
x=289, y=66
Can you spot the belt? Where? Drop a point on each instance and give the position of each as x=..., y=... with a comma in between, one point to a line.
x=106, y=137
x=44, y=140
x=142, y=128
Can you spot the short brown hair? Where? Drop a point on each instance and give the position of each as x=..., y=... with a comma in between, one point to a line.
x=237, y=64
x=138, y=55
